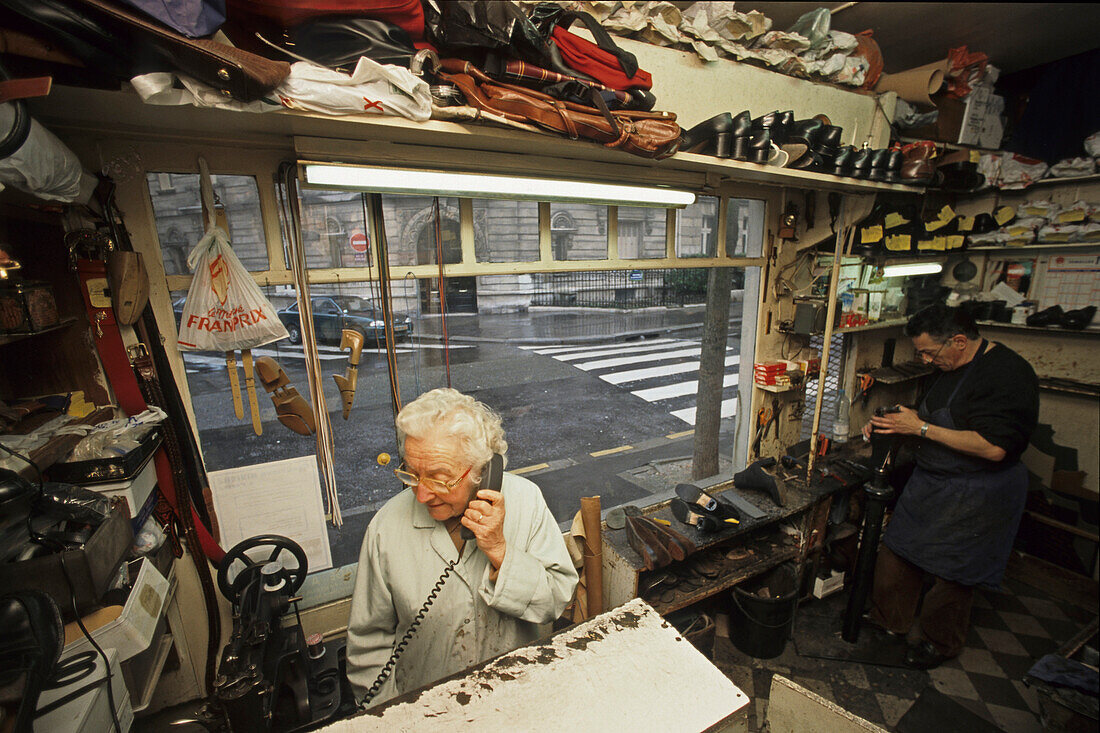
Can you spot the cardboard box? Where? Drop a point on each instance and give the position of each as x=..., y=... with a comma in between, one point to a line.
x=975, y=120
x=132, y=632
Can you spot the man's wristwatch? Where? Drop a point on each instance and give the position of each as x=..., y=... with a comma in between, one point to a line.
x=924, y=430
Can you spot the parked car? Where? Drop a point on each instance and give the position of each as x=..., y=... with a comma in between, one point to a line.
x=333, y=313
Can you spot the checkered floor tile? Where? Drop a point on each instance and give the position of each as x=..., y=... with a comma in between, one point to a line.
x=1010, y=629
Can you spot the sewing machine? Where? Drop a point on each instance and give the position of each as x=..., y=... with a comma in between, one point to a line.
x=270, y=677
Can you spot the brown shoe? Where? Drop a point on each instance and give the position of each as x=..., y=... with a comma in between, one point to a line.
x=917, y=167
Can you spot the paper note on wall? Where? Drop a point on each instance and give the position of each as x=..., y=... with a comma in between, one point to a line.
x=281, y=497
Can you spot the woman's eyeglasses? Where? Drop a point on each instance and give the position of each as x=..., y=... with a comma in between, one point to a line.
x=434, y=485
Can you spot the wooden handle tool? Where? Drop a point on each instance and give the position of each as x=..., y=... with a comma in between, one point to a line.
x=250, y=387
x=234, y=383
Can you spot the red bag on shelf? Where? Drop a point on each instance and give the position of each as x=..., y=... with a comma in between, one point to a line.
x=588, y=58
x=406, y=14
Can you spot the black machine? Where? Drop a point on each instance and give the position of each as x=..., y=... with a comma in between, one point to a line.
x=270, y=677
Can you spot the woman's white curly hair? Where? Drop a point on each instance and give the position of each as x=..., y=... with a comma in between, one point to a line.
x=447, y=413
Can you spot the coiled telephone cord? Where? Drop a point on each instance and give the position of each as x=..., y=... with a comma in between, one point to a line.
x=399, y=649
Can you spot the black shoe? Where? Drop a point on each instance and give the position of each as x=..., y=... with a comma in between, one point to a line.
x=718, y=507
x=1051, y=316
x=710, y=137
x=1078, y=320
x=759, y=147
x=924, y=656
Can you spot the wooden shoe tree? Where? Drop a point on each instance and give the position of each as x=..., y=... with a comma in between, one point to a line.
x=290, y=407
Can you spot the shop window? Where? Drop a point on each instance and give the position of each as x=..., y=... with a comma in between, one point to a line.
x=697, y=228
x=641, y=233
x=506, y=231
x=578, y=231
x=744, y=227
x=177, y=209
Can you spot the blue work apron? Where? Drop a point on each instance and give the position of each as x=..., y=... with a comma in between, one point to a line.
x=957, y=517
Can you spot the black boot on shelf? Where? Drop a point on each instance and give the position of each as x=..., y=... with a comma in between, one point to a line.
x=710, y=137
x=801, y=139
x=879, y=158
x=842, y=163
x=861, y=163
x=776, y=124
x=739, y=135
x=1077, y=320
x=1051, y=316
x=760, y=147
x=893, y=166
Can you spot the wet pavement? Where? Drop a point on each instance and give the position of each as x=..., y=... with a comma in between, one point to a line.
x=561, y=412
x=545, y=325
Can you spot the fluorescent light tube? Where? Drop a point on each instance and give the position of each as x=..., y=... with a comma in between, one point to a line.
x=476, y=185
x=916, y=268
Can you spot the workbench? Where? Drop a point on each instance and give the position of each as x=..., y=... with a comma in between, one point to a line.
x=627, y=669
x=789, y=532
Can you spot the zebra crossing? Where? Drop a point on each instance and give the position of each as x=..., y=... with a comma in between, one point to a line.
x=660, y=371
x=198, y=361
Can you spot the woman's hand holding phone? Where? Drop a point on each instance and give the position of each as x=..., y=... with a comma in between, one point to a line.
x=485, y=518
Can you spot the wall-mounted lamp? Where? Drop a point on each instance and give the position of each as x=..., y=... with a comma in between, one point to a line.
x=7, y=264
x=477, y=185
x=916, y=268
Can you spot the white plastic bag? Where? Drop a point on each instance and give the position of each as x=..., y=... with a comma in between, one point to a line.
x=372, y=87
x=225, y=309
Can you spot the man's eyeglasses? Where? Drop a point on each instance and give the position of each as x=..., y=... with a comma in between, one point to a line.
x=436, y=486
x=928, y=354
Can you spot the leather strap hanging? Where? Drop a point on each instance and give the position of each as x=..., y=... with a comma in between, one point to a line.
x=108, y=340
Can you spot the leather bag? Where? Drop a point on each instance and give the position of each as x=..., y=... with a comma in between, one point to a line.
x=646, y=134
x=114, y=40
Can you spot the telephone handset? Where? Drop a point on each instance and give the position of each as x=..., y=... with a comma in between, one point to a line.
x=491, y=478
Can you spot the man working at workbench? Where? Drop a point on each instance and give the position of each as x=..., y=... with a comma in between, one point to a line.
x=958, y=513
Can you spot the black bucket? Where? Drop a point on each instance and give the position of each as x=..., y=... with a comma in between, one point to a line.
x=760, y=626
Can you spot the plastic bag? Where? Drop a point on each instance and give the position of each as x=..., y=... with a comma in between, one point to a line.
x=225, y=309
x=371, y=88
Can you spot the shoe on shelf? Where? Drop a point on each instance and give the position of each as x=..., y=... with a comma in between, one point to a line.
x=776, y=124
x=842, y=163
x=893, y=166
x=917, y=168
x=1078, y=320
x=879, y=160
x=1051, y=316
x=739, y=136
x=924, y=656
x=759, y=147
x=709, y=137
x=861, y=163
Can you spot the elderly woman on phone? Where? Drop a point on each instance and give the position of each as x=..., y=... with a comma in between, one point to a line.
x=511, y=570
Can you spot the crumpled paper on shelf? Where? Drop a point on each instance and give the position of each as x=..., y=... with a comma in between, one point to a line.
x=1011, y=171
x=715, y=29
x=1071, y=167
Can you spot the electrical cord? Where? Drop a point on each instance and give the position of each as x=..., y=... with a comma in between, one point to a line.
x=399, y=648
x=92, y=641
x=58, y=549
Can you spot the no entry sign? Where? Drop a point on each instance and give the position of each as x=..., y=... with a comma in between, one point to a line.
x=358, y=242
